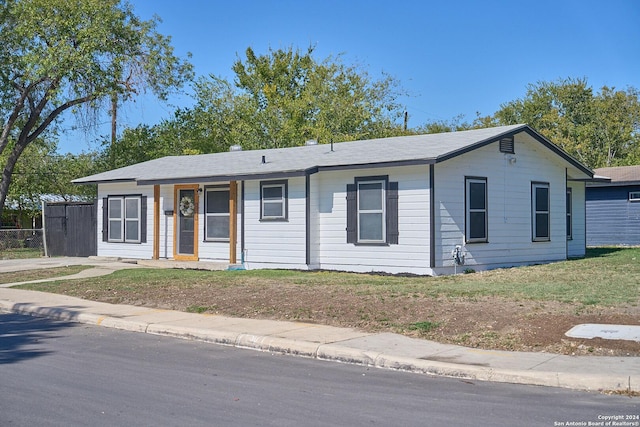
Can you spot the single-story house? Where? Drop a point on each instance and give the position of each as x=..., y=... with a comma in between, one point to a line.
x=425, y=204
x=613, y=207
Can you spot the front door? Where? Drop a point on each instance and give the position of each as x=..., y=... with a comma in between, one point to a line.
x=185, y=223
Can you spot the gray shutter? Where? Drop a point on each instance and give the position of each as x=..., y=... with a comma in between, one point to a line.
x=352, y=213
x=392, y=214
x=143, y=219
x=105, y=219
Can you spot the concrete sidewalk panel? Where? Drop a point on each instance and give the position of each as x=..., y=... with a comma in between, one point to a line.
x=322, y=334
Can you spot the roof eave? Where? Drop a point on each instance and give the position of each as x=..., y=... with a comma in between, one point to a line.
x=81, y=181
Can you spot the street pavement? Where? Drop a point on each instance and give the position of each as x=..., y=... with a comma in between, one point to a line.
x=382, y=350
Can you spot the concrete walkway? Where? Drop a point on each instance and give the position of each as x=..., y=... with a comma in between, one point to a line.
x=383, y=350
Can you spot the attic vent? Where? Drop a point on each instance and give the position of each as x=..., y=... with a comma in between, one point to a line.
x=235, y=147
x=506, y=145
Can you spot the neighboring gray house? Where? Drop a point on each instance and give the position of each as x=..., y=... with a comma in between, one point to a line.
x=496, y=197
x=613, y=207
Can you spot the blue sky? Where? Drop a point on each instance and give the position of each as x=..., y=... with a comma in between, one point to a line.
x=452, y=57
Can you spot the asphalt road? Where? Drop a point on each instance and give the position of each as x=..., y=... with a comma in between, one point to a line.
x=66, y=374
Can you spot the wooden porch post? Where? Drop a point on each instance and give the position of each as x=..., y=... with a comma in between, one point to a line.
x=233, y=221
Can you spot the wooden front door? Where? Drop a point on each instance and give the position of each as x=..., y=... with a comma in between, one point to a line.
x=185, y=223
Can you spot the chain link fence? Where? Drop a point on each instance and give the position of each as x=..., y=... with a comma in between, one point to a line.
x=21, y=243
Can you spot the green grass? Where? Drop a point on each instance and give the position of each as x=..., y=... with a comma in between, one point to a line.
x=20, y=253
x=607, y=276
x=423, y=326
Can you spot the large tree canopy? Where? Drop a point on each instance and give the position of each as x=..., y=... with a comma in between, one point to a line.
x=600, y=129
x=278, y=99
x=62, y=54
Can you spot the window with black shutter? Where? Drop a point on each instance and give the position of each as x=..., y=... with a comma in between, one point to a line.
x=124, y=219
x=372, y=211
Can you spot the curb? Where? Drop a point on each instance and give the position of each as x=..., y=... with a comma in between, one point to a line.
x=338, y=353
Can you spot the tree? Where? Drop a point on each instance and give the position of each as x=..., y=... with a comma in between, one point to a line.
x=285, y=97
x=601, y=129
x=280, y=99
x=59, y=55
x=40, y=171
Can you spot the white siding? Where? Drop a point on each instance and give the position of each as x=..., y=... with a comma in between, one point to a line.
x=283, y=244
x=208, y=251
x=509, y=206
x=126, y=250
x=276, y=244
x=166, y=221
x=577, y=245
x=328, y=191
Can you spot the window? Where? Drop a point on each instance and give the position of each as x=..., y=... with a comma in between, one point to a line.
x=124, y=219
x=540, y=212
x=476, y=210
x=273, y=200
x=371, y=224
x=569, y=215
x=372, y=211
x=217, y=213
x=634, y=196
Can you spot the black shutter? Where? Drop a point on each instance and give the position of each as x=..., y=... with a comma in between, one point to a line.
x=392, y=214
x=105, y=219
x=352, y=213
x=143, y=219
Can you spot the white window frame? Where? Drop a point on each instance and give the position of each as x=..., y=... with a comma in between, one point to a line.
x=282, y=201
x=469, y=210
x=535, y=212
x=382, y=210
x=208, y=214
x=634, y=196
x=121, y=221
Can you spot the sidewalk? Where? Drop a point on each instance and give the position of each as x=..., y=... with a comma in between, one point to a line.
x=384, y=350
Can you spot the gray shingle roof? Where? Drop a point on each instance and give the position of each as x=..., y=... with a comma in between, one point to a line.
x=292, y=161
x=620, y=174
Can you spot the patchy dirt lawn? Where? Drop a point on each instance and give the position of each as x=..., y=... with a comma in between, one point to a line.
x=488, y=322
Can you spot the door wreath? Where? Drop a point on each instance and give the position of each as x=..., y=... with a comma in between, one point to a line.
x=186, y=206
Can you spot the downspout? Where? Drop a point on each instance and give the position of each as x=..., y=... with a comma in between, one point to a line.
x=307, y=190
x=432, y=217
x=566, y=232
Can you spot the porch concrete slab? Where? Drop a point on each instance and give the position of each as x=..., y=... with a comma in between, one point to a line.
x=185, y=265
x=608, y=332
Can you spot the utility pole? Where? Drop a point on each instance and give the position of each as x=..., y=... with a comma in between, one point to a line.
x=114, y=127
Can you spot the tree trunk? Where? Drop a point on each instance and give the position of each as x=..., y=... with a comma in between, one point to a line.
x=8, y=171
